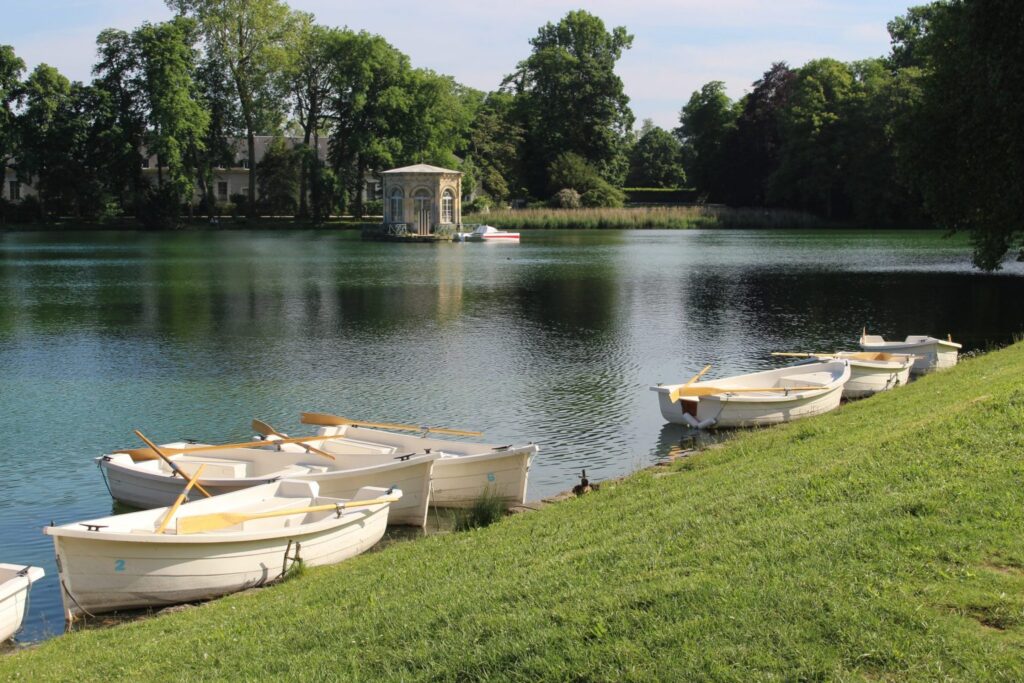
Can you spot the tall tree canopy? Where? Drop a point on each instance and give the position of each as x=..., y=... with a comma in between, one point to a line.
x=11, y=68
x=570, y=100
x=248, y=36
x=656, y=160
x=962, y=133
x=706, y=122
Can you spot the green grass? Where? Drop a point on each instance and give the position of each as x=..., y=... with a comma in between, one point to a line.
x=654, y=217
x=881, y=542
x=487, y=509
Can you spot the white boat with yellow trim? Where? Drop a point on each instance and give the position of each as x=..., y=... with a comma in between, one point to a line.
x=15, y=583
x=755, y=399
x=870, y=371
x=211, y=547
x=932, y=353
x=141, y=479
x=462, y=473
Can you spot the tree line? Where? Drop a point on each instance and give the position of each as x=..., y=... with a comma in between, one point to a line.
x=930, y=134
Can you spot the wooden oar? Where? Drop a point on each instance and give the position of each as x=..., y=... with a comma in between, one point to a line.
x=181, y=499
x=150, y=454
x=163, y=456
x=675, y=393
x=327, y=420
x=711, y=391
x=803, y=355
x=219, y=520
x=266, y=430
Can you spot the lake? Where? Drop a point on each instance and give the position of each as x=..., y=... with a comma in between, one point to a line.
x=554, y=340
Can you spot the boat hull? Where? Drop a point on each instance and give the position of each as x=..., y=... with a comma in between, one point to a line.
x=932, y=354
x=867, y=378
x=460, y=481
x=759, y=409
x=147, y=488
x=105, y=572
x=15, y=583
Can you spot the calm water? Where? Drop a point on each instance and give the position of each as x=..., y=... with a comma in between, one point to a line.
x=555, y=341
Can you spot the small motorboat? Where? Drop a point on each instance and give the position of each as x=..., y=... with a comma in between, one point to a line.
x=932, y=353
x=462, y=473
x=15, y=583
x=755, y=399
x=870, y=371
x=211, y=547
x=142, y=479
x=489, y=233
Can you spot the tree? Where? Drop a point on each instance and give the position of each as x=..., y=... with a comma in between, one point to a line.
x=495, y=140
x=308, y=76
x=41, y=149
x=11, y=68
x=277, y=176
x=176, y=121
x=960, y=135
x=752, y=150
x=656, y=159
x=571, y=171
x=370, y=108
x=813, y=158
x=569, y=98
x=706, y=121
x=248, y=36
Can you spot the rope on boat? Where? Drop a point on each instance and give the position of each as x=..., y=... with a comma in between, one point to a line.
x=103, y=474
x=84, y=611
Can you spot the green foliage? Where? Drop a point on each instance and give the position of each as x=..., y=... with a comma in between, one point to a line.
x=566, y=198
x=656, y=159
x=961, y=130
x=277, y=177
x=878, y=542
x=648, y=218
x=487, y=509
x=706, y=121
x=603, y=196
x=569, y=99
x=373, y=207
x=248, y=37
x=11, y=68
x=495, y=140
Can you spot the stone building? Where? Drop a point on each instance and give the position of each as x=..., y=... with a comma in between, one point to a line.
x=422, y=200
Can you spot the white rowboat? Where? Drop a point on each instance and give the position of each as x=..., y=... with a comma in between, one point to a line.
x=151, y=483
x=15, y=582
x=872, y=371
x=120, y=562
x=932, y=353
x=759, y=398
x=461, y=474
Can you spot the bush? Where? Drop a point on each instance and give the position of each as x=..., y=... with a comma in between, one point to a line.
x=566, y=198
x=603, y=196
x=481, y=204
x=239, y=204
x=374, y=207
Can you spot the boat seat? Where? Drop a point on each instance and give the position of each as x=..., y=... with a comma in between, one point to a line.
x=215, y=468
x=811, y=379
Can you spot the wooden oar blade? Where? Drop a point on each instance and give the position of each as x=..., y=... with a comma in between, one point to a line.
x=677, y=392
x=324, y=420
x=261, y=427
x=139, y=453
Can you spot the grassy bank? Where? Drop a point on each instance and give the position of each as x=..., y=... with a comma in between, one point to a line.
x=880, y=542
x=650, y=217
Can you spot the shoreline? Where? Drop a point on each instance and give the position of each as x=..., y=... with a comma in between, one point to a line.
x=899, y=535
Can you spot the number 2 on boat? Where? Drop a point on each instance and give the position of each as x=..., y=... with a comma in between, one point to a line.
x=118, y=565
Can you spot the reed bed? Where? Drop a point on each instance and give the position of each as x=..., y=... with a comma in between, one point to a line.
x=649, y=218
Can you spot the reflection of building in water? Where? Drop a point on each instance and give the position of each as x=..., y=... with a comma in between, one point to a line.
x=449, y=284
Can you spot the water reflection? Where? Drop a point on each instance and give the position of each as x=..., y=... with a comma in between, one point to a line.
x=555, y=340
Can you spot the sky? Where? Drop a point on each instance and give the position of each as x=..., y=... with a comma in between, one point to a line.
x=678, y=44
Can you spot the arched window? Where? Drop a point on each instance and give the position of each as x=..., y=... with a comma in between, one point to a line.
x=447, y=207
x=395, y=209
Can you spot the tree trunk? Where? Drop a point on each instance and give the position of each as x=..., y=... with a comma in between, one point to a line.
x=306, y=167
x=357, y=208
x=250, y=204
